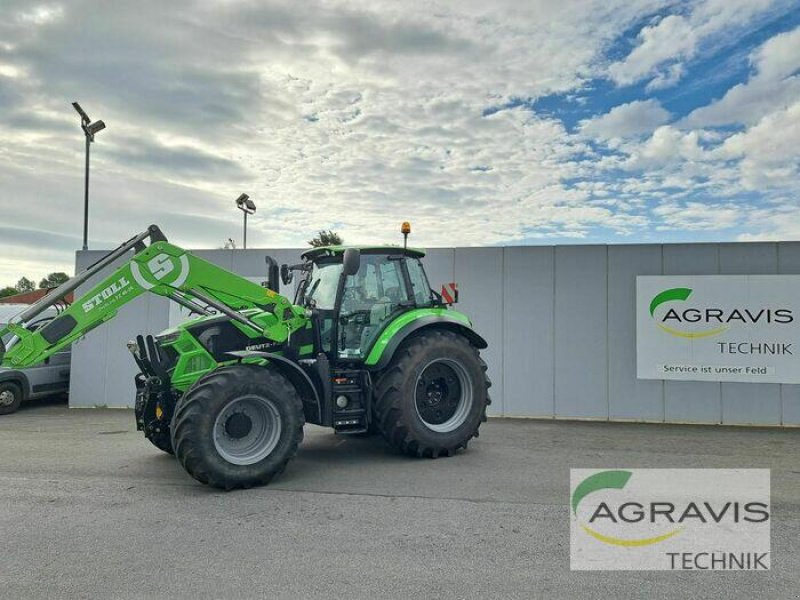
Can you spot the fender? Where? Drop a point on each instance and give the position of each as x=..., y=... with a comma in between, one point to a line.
x=397, y=332
x=17, y=377
x=294, y=373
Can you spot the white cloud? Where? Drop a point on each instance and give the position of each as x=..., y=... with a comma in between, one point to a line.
x=671, y=38
x=666, y=78
x=665, y=46
x=695, y=216
x=41, y=14
x=769, y=151
x=633, y=118
x=353, y=115
x=666, y=146
x=775, y=84
x=779, y=221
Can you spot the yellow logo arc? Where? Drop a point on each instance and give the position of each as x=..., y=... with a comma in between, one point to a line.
x=630, y=543
x=693, y=334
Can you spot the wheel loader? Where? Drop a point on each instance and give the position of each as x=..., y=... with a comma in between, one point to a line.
x=363, y=346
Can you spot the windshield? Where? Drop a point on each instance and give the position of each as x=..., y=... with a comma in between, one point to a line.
x=322, y=285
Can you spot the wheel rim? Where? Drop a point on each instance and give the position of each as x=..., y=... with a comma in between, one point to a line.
x=443, y=395
x=247, y=430
x=7, y=398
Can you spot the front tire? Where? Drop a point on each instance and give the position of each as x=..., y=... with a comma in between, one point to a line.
x=10, y=397
x=238, y=426
x=432, y=398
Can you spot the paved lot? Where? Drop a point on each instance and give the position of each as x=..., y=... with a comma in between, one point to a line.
x=90, y=509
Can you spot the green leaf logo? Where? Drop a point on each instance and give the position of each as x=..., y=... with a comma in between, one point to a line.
x=611, y=480
x=680, y=295
x=604, y=480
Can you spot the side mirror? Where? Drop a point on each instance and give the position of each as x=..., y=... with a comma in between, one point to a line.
x=287, y=276
x=272, y=274
x=351, y=261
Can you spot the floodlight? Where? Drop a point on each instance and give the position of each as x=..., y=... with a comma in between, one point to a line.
x=95, y=127
x=84, y=117
x=245, y=204
x=248, y=207
x=89, y=130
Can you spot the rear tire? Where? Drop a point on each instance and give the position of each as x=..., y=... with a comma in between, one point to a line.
x=10, y=397
x=432, y=398
x=238, y=426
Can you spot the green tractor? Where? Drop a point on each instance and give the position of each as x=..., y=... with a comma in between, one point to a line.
x=365, y=345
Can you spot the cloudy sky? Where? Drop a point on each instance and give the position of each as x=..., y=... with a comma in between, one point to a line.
x=503, y=122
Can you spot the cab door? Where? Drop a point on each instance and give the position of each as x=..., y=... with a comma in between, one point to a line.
x=372, y=298
x=51, y=376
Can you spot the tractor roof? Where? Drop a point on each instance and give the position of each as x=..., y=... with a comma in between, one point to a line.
x=316, y=253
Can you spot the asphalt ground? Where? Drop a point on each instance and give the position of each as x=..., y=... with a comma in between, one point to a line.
x=88, y=509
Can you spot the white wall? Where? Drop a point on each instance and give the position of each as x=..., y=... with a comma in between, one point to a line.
x=560, y=321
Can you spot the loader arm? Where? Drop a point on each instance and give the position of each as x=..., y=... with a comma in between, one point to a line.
x=159, y=268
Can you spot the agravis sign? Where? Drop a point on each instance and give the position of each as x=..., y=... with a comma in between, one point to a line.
x=718, y=328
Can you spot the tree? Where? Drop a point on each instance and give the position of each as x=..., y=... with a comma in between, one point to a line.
x=53, y=280
x=7, y=291
x=326, y=238
x=25, y=285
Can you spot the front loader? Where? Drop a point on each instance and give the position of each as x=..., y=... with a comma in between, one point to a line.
x=365, y=345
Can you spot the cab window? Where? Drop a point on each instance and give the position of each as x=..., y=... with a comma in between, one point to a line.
x=370, y=298
x=321, y=290
x=421, y=289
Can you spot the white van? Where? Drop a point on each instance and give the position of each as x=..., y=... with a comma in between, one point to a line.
x=50, y=377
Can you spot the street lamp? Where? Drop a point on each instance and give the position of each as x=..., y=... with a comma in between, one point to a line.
x=248, y=207
x=89, y=130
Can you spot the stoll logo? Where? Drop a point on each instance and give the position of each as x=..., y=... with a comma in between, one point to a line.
x=669, y=519
x=705, y=321
x=107, y=292
x=162, y=269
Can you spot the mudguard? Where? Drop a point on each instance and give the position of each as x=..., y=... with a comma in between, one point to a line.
x=294, y=373
x=411, y=322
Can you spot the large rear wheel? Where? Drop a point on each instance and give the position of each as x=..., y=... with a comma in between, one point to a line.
x=432, y=398
x=238, y=426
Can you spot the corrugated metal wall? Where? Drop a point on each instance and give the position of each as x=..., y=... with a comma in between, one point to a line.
x=560, y=322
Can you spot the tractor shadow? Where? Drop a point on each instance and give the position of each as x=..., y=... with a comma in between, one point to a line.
x=324, y=446
x=322, y=459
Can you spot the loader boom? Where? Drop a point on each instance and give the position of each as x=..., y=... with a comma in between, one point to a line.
x=160, y=268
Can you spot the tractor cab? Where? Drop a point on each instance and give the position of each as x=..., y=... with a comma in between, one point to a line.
x=355, y=293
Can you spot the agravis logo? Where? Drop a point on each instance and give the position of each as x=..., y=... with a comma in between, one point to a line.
x=605, y=480
x=713, y=320
x=681, y=295
x=669, y=519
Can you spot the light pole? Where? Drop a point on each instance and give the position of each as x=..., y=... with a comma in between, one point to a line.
x=89, y=129
x=248, y=207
